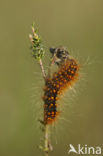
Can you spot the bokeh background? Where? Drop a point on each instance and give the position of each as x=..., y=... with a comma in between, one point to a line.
x=76, y=24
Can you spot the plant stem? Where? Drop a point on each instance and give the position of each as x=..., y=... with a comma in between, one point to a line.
x=46, y=140
x=42, y=68
x=38, y=53
x=46, y=135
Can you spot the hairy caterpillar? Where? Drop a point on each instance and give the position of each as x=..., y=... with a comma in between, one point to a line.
x=67, y=74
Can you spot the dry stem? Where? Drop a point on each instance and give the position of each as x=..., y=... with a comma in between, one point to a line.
x=42, y=68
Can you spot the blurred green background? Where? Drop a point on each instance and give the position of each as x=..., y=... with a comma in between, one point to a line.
x=76, y=24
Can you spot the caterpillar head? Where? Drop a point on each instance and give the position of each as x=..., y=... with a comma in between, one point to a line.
x=59, y=55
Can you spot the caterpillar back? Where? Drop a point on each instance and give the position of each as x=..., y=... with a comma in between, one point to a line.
x=55, y=85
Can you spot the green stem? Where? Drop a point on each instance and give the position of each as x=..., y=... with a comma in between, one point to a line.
x=46, y=140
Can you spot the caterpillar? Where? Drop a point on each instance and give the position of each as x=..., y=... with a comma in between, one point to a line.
x=54, y=86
